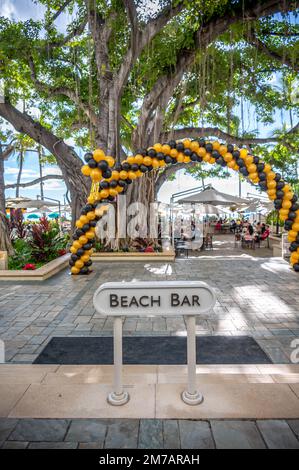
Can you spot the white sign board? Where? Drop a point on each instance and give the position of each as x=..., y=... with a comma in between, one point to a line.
x=154, y=298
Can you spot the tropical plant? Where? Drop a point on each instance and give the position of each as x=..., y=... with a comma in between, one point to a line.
x=18, y=226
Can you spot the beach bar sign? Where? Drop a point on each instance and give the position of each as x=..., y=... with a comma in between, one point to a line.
x=163, y=298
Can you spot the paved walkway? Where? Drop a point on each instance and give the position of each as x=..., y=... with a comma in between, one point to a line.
x=255, y=296
x=147, y=434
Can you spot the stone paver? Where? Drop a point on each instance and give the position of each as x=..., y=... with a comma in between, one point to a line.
x=237, y=435
x=278, y=435
x=87, y=430
x=171, y=434
x=40, y=430
x=150, y=434
x=122, y=434
x=196, y=435
x=255, y=296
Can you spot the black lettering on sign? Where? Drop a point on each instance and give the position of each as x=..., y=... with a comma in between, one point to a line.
x=133, y=301
x=142, y=302
x=114, y=300
x=195, y=300
x=186, y=301
x=124, y=301
x=175, y=302
x=156, y=301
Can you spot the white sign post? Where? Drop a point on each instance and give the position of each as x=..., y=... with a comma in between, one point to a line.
x=165, y=298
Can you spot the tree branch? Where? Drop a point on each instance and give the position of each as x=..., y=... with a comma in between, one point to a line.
x=77, y=31
x=63, y=91
x=246, y=10
x=36, y=181
x=196, y=132
x=262, y=47
x=59, y=11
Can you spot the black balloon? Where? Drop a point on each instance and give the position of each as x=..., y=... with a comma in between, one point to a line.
x=152, y=153
x=92, y=163
x=88, y=156
x=230, y=148
x=236, y=155
x=103, y=165
x=180, y=147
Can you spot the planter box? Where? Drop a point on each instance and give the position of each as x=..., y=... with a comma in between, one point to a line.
x=40, y=274
x=3, y=260
x=119, y=256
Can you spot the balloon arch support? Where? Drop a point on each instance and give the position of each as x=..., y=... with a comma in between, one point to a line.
x=110, y=178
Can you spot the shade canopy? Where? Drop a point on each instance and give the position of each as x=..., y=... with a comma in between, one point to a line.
x=11, y=202
x=36, y=203
x=214, y=197
x=33, y=216
x=207, y=209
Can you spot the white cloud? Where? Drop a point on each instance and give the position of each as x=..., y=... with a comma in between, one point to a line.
x=8, y=9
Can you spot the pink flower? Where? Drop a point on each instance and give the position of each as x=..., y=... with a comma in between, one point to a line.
x=149, y=249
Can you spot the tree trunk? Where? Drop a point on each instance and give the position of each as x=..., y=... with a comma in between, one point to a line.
x=21, y=160
x=5, y=242
x=66, y=157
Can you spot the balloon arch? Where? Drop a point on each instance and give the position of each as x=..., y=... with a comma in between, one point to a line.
x=109, y=179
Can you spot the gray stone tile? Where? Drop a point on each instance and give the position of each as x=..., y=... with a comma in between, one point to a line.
x=7, y=425
x=53, y=445
x=294, y=425
x=236, y=435
x=171, y=434
x=15, y=445
x=40, y=430
x=150, y=434
x=90, y=445
x=195, y=435
x=87, y=430
x=122, y=434
x=277, y=434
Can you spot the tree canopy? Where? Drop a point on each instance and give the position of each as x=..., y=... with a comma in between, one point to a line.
x=125, y=74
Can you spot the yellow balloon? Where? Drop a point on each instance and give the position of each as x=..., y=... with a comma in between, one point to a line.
x=89, y=234
x=83, y=240
x=243, y=153
x=271, y=184
x=286, y=204
x=79, y=224
x=77, y=244
x=201, y=152
x=295, y=227
x=96, y=175
x=158, y=147
x=75, y=270
x=293, y=234
x=86, y=170
x=79, y=264
x=98, y=155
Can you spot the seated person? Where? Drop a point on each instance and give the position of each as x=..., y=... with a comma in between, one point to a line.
x=266, y=233
x=218, y=226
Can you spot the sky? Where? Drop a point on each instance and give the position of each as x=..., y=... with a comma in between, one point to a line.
x=25, y=9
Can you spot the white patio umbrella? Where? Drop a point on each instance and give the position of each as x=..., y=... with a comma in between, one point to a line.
x=34, y=203
x=214, y=197
x=207, y=209
x=43, y=209
x=11, y=202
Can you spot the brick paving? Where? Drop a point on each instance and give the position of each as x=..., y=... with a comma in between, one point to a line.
x=255, y=296
x=147, y=434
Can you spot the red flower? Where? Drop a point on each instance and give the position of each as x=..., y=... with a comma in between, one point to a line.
x=149, y=249
x=61, y=252
x=29, y=266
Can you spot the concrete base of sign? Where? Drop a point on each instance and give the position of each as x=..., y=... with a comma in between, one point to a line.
x=192, y=398
x=118, y=399
x=242, y=391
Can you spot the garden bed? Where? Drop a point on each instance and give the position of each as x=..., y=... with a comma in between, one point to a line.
x=168, y=255
x=40, y=274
